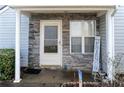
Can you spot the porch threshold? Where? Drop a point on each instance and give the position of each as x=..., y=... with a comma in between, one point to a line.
x=51, y=66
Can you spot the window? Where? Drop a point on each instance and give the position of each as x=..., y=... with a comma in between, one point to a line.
x=82, y=35
x=50, y=39
x=89, y=44
x=76, y=44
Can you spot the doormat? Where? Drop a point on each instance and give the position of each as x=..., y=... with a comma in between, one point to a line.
x=32, y=71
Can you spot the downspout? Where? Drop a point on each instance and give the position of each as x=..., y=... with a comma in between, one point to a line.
x=113, y=50
x=112, y=15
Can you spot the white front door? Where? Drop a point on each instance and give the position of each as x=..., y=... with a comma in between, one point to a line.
x=50, y=42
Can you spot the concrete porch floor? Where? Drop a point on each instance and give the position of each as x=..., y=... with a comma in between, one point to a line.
x=46, y=78
x=49, y=76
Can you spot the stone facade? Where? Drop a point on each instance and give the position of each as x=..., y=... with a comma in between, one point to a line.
x=83, y=61
x=34, y=44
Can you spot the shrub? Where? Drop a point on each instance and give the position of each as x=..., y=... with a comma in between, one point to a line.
x=7, y=66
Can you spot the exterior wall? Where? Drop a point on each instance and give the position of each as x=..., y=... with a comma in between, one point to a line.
x=7, y=36
x=119, y=37
x=7, y=33
x=102, y=29
x=84, y=61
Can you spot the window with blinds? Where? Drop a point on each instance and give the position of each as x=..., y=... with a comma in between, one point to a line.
x=82, y=35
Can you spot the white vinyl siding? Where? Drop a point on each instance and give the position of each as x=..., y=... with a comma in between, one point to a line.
x=119, y=30
x=119, y=36
x=7, y=33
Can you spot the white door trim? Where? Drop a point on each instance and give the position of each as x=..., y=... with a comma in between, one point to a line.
x=60, y=25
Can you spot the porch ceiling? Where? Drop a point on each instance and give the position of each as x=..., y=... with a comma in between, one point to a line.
x=64, y=9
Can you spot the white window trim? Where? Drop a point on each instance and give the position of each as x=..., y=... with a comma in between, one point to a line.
x=83, y=42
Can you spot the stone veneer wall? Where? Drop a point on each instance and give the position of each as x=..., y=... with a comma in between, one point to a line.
x=74, y=61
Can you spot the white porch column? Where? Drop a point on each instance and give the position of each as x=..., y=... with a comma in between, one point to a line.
x=17, y=47
x=110, y=43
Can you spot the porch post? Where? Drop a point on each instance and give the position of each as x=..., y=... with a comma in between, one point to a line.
x=110, y=43
x=17, y=47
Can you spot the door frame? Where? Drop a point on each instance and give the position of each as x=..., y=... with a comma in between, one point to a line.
x=60, y=24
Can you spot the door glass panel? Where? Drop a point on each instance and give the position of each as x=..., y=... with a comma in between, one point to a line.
x=50, y=39
x=50, y=32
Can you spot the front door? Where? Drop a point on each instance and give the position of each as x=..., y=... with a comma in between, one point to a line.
x=50, y=42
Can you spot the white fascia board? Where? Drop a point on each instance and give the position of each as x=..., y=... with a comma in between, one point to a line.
x=65, y=8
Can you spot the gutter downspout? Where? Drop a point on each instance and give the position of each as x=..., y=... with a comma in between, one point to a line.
x=113, y=50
